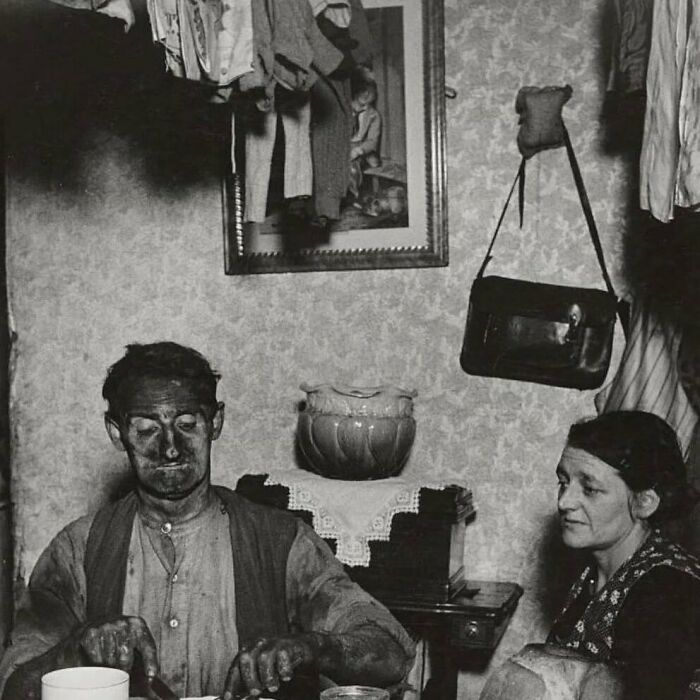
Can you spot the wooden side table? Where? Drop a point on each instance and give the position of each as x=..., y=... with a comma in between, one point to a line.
x=471, y=623
x=466, y=626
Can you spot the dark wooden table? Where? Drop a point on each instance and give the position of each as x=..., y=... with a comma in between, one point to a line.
x=468, y=627
x=461, y=631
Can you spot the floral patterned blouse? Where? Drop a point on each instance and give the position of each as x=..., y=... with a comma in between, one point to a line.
x=592, y=634
x=646, y=619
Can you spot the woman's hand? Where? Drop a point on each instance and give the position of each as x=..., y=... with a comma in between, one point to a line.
x=268, y=663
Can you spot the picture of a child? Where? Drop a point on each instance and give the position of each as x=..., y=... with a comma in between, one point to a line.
x=367, y=132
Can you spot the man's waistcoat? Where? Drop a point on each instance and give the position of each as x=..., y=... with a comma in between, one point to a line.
x=261, y=538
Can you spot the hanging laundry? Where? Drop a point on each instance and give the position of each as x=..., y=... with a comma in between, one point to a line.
x=332, y=121
x=287, y=42
x=670, y=158
x=337, y=12
x=259, y=146
x=209, y=41
x=631, y=44
x=119, y=9
x=364, y=45
x=331, y=132
x=261, y=76
x=291, y=52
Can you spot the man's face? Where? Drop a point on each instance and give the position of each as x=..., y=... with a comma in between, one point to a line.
x=595, y=504
x=167, y=433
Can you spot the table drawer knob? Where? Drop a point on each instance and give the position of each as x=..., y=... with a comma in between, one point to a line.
x=472, y=630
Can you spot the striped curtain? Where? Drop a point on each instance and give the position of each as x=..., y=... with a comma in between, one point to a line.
x=649, y=376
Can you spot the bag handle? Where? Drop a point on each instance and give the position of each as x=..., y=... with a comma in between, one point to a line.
x=623, y=307
x=587, y=212
x=519, y=177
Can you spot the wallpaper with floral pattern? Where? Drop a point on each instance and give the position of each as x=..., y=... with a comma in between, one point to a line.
x=115, y=256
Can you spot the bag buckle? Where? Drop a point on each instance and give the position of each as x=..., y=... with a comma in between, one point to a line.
x=575, y=317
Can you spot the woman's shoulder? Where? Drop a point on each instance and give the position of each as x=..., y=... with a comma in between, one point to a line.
x=664, y=580
x=665, y=596
x=657, y=633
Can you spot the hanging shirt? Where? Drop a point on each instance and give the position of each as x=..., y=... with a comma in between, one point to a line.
x=119, y=9
x=336, y=11
x=631, y=44
x=205, y=41
x=670, y=158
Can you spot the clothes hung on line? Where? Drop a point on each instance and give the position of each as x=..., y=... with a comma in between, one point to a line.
x=317, y=142
x=210, y=42
x=656, y=51
x=119, y=9
x=330, y=140
x=261, y=45
x=259, y=146
x=631, y=45
x=670, y=158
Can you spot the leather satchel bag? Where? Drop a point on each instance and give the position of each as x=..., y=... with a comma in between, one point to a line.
x=544, y=333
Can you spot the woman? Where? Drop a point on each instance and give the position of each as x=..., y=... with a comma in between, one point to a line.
x=636, y=607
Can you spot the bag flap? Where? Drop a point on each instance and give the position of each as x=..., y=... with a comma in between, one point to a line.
x=511, y=297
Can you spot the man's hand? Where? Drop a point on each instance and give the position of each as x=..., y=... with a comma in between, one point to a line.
x=114, y=642
x=269, y=662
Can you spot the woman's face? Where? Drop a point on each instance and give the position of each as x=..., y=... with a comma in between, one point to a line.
x=594, y=502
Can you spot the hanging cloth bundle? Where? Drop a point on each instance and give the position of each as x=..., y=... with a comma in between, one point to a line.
x=544, y=333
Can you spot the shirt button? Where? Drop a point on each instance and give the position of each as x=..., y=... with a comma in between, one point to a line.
x=174, y=578
x=174, y=622
x=224, y=71
x=165, y=528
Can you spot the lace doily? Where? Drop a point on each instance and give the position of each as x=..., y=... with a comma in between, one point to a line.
x=353, y=513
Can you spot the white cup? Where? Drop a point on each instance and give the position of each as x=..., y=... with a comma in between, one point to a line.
x=85, y=683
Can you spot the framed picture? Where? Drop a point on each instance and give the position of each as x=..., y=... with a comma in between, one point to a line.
x=389, y=209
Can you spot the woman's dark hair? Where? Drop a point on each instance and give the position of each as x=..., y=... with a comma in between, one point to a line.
x=164, y=359
x=644, y=449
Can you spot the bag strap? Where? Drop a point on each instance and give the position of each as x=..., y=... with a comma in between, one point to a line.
x=519, y=177
x=623, y=307
x=587, y=212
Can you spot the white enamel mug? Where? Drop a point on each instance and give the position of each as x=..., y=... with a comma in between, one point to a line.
x=85, y=683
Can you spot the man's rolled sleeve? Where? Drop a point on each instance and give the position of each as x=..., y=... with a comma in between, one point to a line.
x=54, y=602
x=322, y=598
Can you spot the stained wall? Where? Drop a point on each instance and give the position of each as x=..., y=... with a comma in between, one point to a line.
x=105, y=248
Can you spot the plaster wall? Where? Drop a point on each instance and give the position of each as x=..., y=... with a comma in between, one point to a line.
x=113, y=255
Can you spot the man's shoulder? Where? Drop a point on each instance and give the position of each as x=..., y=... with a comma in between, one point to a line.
x=69, y=544
x=77, y=530
x=244, y=506
x=76, y=533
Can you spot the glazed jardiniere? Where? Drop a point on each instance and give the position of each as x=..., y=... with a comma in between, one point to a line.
x=356, y=433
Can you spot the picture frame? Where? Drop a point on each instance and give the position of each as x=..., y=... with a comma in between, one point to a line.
x=398, y=214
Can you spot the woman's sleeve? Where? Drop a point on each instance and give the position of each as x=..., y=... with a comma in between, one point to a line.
x=657, y=635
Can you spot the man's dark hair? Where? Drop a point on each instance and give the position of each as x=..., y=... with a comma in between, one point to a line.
x=164, y=359
x=644, y=449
